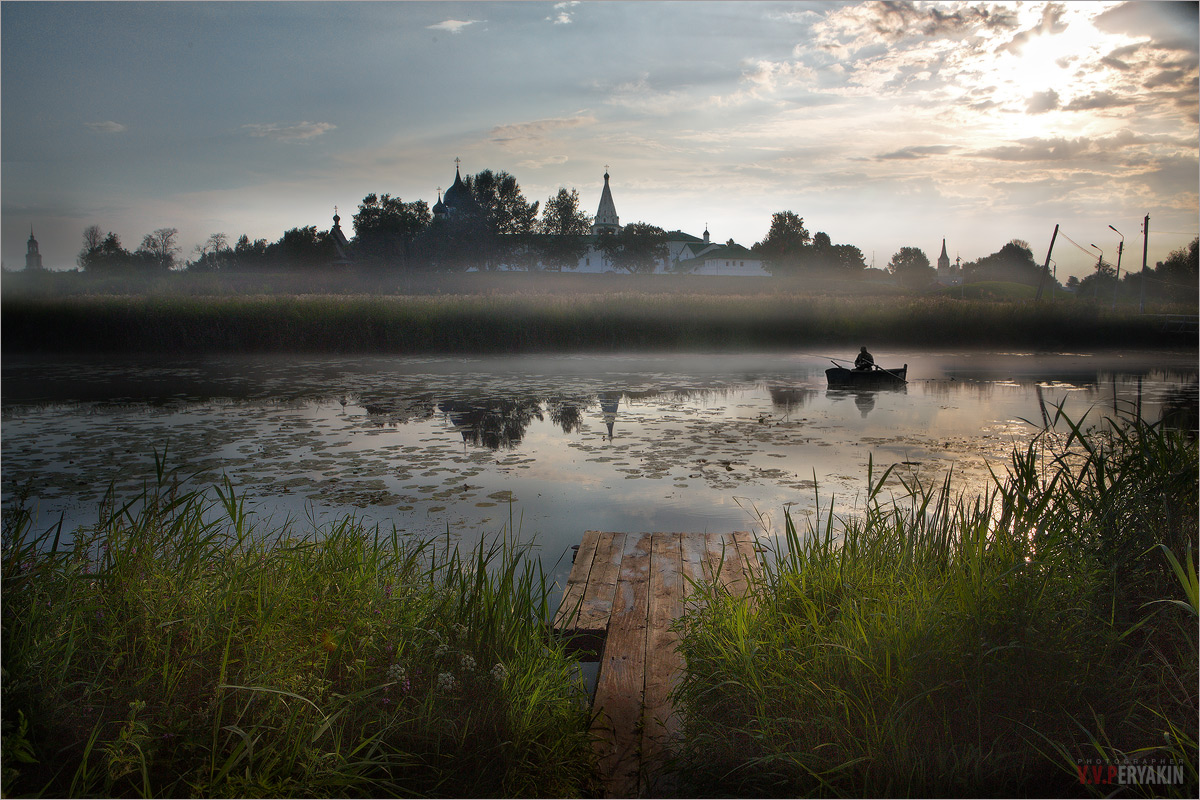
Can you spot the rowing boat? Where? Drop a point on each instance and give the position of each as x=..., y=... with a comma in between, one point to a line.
x=840, y=376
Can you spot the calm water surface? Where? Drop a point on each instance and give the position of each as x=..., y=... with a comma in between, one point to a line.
x=559, y=444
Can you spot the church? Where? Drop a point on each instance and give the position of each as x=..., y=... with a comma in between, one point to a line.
x=686, y=254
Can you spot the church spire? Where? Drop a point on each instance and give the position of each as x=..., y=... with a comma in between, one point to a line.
x=606, y=214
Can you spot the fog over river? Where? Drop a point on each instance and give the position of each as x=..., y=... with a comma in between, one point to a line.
x=560, y=444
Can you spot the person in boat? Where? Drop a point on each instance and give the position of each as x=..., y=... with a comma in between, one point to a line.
x=865, y=360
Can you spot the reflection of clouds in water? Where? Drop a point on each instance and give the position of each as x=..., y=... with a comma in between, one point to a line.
x=366, y=435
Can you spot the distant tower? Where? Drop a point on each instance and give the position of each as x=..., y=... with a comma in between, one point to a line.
x=340, y=245
x=943, y=259
x=706, y=241
x=606, y=214
x=33, y=259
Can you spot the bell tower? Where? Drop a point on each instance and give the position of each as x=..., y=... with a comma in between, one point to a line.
x=33, y=259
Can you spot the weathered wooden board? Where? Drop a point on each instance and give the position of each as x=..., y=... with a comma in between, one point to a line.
x=620, y=686
x=663, y=663
x=583, y=614
x=625, y=591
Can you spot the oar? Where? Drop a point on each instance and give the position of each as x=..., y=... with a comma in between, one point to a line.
x=889, y=372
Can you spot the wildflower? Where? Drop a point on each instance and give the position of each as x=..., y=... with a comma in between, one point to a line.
x=387, y=590
x=499, y=672
x=396, y=673
x=442, y=649
x=460, y=629
x=468, y=663
x=446, y=682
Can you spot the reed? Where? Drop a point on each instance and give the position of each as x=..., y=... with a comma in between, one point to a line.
x=604, y=321
x=943, y=645
x=180, y=649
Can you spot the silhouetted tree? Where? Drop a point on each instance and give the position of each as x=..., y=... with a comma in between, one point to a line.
x=103, y=253
x=564, y=230
x=1013, y=263
x=783, y=249
x=385, y=228
x=638, y=247
x=911, y=267
x=302, y=248
x=159, y=249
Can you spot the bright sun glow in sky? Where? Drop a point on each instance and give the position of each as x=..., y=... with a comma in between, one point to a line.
x=883, y=124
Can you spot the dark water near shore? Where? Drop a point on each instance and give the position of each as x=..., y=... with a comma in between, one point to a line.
x=556, y=444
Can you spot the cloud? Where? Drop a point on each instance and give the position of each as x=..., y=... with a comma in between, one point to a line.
x=1041, y=102
x=298, y=132
x=563, y=12
x=105, y=127
x=913, y=153
x=535, y=131
x=546, y=161
x=1105, y=99
x=640, y=96
x=452, y=25
x=1037, y=149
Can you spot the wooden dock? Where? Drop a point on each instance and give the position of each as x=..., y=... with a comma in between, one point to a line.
x=624, y=591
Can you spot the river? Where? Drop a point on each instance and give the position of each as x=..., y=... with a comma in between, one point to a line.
x=553, y=445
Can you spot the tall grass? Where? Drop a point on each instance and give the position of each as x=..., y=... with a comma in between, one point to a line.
x=514, y=322
x=180, y=650
x=943, y=645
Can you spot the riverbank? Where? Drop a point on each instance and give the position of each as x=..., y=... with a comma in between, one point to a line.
x=588, y=322
x=932, y=644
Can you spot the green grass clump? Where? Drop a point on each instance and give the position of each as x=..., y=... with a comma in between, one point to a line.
x=177, y=650
x=939, y=645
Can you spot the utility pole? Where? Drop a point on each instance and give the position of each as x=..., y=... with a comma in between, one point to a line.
x=1145, y=246
x=1120, y=249
x=1046, y=268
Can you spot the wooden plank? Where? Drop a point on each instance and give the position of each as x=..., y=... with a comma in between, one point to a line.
x=568, y=608
x=620, y=685
x=744, y=542
x=585, y=620
x=660, y=723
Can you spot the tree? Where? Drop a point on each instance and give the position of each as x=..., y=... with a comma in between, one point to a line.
x=911, y=267
x=302, y=248
x=1013, y=263
x=248, y=255
x=103, y=253
x=499, y=195
x=159, y=249
x=824, y=256
x=214, y=254
x=784, y=246
x=385, y=227
x=638, y=247
x=563, y=228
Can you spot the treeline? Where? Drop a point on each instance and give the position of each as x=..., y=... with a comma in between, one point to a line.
x=485, y=222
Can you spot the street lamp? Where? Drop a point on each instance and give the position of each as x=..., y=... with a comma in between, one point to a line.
x=1120, y=249
x=1099, y=264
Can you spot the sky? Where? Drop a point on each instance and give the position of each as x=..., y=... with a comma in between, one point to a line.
x=883, y=124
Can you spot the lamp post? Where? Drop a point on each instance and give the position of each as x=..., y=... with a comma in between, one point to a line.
x=1099, y=264
x=1120, y=249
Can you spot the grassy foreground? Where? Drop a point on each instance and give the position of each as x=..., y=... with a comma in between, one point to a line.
x=179, y=652
x=1017, y=643
x=542, y=322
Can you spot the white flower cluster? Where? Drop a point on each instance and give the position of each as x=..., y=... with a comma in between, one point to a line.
x=499, y=672
x=396, y=673
x=468, y=663
x=446, y=682
x=441, y=650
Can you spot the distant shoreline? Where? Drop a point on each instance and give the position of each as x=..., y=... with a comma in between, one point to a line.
x=527, y=321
